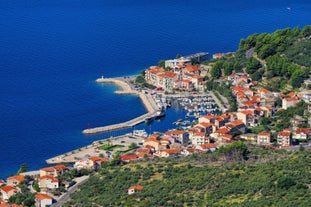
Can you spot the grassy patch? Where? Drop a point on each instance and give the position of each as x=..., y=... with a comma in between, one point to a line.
x=111, y=147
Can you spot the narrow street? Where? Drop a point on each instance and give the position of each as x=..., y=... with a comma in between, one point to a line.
x=65, y=197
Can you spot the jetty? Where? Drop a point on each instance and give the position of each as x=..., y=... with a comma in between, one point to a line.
x=146, y=98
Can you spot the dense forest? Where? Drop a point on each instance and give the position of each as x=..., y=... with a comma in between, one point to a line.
x=281, y=59
x=235, y=175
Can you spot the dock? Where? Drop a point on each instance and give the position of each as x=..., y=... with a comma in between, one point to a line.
x=147, y=100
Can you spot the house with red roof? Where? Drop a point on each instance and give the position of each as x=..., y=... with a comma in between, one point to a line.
x=180, y=136
x=7, y=191
x=264, y=93
x=191, y=69
x=219, y=132
x=207, y=147
x=43, y=200
x=218, y=55
x=153, y=142
x=237, y=125
x=15, y=180
x=134, y=189
x=90, y=163
x=205, y=127
x=48, y=182
x=151, y=74
x=166, y=80
x=129, y=157
x=289, y=101
x=247, y=117
x=198, y=138
x=224, y=137
x=168, y=152
x=54, y=171
x=284, y=138
x=301, y=133
x=264, y=138
x=143, y=151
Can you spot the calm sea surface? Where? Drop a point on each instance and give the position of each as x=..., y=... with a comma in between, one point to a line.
x=52, y=51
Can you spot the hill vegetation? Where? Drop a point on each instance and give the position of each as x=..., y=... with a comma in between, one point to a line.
x=234, y=175
x=282, y=59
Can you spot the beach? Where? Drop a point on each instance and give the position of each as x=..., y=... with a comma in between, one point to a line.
x=146, y=99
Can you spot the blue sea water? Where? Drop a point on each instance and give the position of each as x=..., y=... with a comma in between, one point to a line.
x=52, y=51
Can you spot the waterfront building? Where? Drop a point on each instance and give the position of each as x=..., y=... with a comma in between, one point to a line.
x=174, y=63
x=151, y=74
x=54, y=171
x=15, y=180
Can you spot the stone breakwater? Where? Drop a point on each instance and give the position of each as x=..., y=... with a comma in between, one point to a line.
x=147, y=100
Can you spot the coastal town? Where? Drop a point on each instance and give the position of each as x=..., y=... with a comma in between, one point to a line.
x=213, y=126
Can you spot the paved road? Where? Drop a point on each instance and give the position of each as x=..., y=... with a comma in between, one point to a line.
x=65, y=197
x=218, y=101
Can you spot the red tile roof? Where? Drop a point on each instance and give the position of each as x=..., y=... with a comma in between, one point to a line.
x=222, y=130
x=155, y=69
x=226, y=136
x=192, y=68
x=136, y=187
x=236, y=123
x=41, y=196
x=172, y=151
x=202, y=134
x=208, y=146
x=263, y=90
x=303, y=130
x=97, y=158
x=8, y=189
x=19, y=178
x=284, y=134
x=264, y=134
x=49, y=177
x=129, y=157
x=58, y=168
x=176, y=131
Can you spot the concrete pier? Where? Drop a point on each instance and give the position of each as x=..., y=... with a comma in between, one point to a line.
x=147, y=100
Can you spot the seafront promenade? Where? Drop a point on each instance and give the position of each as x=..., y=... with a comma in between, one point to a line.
x=147, y=100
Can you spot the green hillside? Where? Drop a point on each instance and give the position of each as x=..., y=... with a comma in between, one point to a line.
x=262, y=177
x=281, y=59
